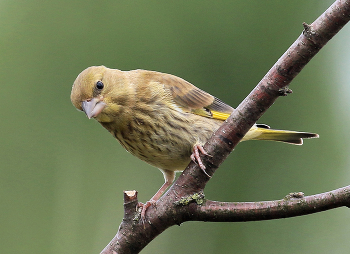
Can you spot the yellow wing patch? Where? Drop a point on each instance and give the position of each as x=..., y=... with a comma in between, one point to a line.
x=220, y=115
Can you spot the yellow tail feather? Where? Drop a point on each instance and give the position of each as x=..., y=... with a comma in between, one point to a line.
x=291, y=137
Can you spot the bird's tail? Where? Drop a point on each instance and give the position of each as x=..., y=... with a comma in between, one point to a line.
x=291, y=137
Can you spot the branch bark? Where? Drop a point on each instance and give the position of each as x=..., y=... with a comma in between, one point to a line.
x=185, y=200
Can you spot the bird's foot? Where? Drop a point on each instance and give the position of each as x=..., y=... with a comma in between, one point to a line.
x=195, y=156
x=144, y=208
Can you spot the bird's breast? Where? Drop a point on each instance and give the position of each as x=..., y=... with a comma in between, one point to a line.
x=160, y=136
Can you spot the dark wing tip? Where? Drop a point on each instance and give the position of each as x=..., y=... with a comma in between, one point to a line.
x=220, y=106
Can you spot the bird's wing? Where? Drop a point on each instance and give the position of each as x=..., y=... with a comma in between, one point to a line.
x=192, y=99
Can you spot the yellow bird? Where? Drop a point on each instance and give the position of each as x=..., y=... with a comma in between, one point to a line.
x=160, y=118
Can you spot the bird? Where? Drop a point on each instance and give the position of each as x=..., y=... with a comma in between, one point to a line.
x=160, y=118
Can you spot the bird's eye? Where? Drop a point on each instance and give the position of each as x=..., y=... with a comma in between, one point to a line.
x=99, y=85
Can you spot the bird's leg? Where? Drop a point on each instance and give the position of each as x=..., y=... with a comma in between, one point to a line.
x=197, y=159
x=154, y=199
x=169, y=177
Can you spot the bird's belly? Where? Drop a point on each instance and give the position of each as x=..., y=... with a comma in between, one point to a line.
x=168, y=150
x=167, y=141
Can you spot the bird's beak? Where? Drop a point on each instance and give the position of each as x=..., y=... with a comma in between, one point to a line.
x=93, y=107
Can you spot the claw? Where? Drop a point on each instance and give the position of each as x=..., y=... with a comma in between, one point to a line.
x=197, y=159
x=144, y=209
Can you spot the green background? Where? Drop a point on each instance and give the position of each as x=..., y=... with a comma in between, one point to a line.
x=62, y=175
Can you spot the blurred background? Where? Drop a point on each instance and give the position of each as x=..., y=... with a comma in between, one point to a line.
x=62, y=175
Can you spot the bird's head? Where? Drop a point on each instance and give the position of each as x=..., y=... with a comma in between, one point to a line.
x=93, y=92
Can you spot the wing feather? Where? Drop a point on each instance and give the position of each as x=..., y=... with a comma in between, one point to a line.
x=192, y=99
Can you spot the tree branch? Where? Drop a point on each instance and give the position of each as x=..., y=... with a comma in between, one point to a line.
x=185, y=200
x=294, y=204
